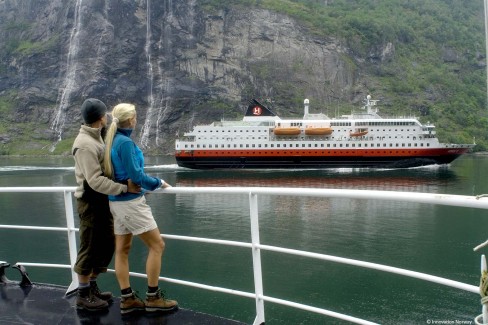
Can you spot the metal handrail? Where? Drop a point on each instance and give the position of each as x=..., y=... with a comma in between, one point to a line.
x=255, y=246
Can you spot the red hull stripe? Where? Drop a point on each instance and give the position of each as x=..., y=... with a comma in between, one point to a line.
x=324, y=152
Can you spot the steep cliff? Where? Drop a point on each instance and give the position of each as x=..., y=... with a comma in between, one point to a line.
x=179, y=64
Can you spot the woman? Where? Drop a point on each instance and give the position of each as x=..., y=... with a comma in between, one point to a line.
x=132, y=216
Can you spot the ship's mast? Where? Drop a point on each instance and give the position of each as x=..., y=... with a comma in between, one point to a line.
x=372, y=102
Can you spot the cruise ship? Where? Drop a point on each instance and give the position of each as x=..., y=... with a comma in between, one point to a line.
x=360, y=140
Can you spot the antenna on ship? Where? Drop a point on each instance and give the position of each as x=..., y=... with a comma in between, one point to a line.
x=305, y=104
x=369, y=105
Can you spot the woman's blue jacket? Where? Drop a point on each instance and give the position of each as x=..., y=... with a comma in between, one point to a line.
x=128, y=162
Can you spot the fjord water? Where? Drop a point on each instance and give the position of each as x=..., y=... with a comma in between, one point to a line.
x=438, y=240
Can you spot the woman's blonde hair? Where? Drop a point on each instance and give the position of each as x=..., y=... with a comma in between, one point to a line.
x=121, y=114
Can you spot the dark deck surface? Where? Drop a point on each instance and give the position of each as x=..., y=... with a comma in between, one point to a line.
x=45, y=304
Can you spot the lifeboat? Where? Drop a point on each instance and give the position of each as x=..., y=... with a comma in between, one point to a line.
x=359, y=133
x=286, y=131
x=318, y=131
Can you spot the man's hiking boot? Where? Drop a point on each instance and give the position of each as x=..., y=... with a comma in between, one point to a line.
x=106, y=295
x=86, y=300
x=155, y=302
x=131, y=303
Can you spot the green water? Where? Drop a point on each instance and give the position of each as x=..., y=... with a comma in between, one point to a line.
x=438, y=240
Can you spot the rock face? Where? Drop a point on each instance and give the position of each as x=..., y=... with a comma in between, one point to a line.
x=177, y=63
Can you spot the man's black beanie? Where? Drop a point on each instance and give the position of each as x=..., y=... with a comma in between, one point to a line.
x=92, y=110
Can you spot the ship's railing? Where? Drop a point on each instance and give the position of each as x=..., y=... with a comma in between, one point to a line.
x=256, y=247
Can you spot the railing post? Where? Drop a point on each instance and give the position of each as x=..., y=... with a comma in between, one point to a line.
x=70, y=223
x=256, y=258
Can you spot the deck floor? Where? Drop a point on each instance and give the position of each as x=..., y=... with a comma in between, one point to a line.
x=47, y=305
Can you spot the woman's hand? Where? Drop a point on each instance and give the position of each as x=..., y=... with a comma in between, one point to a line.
x=165, y=185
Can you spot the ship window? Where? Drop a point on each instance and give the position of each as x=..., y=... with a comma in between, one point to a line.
x=192, y=146
x=272, y=145
x=310, y=145
x=335, y=145
x=241, y=145
x=228, y=146
x=254, y=146
x=328, y=145
x=247, y=145
x=415, y=144
x=340, y=145
x=377, y=144
x=428, y=144
x=403, y=144
x=278, y=145
x=315, y=145
x=409, y=144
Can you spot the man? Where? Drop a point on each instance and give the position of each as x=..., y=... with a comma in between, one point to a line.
x=97, y=241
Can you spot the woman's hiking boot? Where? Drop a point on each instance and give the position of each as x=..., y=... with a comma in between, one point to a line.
x=131, y=303
x=86, y=300
x=156, y=302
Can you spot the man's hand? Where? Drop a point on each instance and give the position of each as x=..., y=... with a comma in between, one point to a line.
x=133, y=187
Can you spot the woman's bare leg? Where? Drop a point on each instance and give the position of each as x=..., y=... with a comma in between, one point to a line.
x=122, y=248
x=152, y=239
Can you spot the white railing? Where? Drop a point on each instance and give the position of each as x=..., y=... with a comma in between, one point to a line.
x=255, y=245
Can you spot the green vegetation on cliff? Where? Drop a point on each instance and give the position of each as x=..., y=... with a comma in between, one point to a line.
x=438, y=66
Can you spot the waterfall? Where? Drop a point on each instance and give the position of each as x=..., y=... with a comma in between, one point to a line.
x=166, y=81
x=69, y=82
x=162, y=112
x=159, y=83
x=149, y=114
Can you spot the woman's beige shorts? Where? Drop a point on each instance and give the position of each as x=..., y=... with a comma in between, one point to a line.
x=132, y=217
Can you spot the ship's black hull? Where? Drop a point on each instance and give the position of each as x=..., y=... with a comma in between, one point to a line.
x=310, y=162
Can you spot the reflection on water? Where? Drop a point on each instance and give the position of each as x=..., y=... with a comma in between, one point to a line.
x=427, y=179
